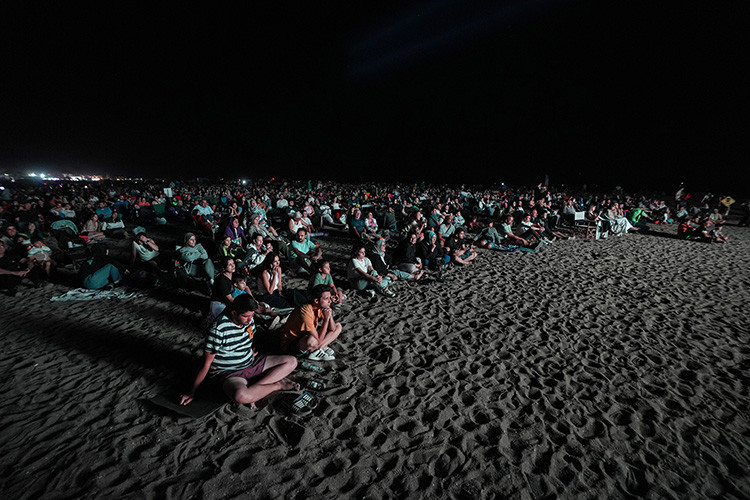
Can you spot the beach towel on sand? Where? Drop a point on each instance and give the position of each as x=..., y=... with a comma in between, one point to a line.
x=82, y=294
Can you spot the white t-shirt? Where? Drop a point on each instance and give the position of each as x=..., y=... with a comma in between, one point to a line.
x=363, y=265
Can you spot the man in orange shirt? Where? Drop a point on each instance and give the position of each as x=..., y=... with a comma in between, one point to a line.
x=311, y=328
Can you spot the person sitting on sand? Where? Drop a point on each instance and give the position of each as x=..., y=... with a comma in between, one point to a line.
x=40, y=261
x=357, y=224
x=509, y=237
x=296, y=222
x=223, y=284
x=639, y=216
x=685, y=230
x=488, y=237
x=256, y=252
x=205, y=211
x=310, y=329
x=381, y=262
x=362, y=276
x=203, y=225
x=228, y=248
x=390, y=224
x=235, y=232
x=435, y=218
x=257, y=227
x=432, y=254
x=323, y=277
x=458, y=219
x=195, y=261
x=618, y=223
x=446, y=229
x=416, y=224
x=703, y=232
x=239, y=284
x=92, y=229
x=228, y=286
x=530, y=230
x=543, y=221
x=306, y=253
x=271, y=287
x=229, y=358
x=145, y=254
x=371, y=226
x=459, y=251
x=11, y=273
x=406, y=254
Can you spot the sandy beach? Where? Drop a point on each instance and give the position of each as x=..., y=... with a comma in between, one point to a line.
x=591, y=369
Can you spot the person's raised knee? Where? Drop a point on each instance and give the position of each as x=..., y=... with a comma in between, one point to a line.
x=243, y=397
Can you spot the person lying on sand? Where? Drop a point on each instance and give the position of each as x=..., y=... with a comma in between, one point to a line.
x=717, y=236
x=230, y=358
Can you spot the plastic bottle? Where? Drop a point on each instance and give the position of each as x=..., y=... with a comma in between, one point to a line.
x=310, y=366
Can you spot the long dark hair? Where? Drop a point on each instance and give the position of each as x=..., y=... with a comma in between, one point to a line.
x=268, y=261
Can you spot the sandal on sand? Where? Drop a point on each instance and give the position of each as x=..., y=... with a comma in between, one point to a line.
x=315, y=384
x=302, y=405
x=309, y=400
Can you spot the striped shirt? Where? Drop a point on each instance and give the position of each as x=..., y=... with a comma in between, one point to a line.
x=232, y=345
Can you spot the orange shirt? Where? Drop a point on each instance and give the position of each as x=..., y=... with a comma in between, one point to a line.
x=302, y=320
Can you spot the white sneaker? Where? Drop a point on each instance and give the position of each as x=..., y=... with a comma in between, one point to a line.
x=328, y=351
x=389, y=293
x=320, y=355
x=370, y=293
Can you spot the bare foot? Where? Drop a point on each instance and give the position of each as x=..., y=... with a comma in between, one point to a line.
x=288, y=385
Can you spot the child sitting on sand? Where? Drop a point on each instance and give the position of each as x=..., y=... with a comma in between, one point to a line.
x=240, y=285
x=323, y=277
x=40, y=258
x=229, y=358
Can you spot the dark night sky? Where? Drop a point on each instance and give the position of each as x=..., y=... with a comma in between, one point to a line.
x=587, y=91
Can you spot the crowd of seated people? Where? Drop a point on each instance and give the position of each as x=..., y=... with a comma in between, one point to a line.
x=518, y=220
x=257, y=235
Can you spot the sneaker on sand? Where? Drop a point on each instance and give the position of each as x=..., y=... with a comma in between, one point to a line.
x=389, y=293
x=320, y=355
x=328, y=351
